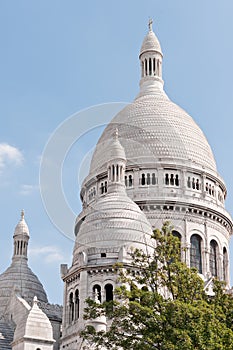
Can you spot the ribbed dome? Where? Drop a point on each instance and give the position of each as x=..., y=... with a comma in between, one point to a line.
x=153, y=128
x=114, y=220
x=21, y=277
x=150, y=43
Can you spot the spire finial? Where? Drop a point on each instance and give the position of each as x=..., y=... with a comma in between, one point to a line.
x=22, y=214
x=150, y=24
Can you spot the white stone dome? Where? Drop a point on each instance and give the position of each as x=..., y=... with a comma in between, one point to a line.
x=113, y=221
x=153, y=128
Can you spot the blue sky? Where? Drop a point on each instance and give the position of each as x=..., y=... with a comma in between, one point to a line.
x=60, y=57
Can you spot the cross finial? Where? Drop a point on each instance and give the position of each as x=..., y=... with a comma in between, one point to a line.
x=22, y=214
x=150, y=25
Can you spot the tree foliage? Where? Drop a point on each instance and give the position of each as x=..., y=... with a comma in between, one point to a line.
x=161, y=304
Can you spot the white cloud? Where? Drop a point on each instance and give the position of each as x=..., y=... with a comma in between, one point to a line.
x=49, y=254
x=9, y=154
x=26, y=190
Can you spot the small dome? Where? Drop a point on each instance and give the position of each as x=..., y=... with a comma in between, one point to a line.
x=113, y=221
x=150, y=43
x=22, y=227
x=21, y=277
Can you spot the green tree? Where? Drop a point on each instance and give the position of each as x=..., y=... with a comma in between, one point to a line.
x=161, y=304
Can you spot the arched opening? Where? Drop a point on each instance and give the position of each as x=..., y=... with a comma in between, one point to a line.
x=213, y=258
x=154, y=67
x=153, y=179
x=225, y=264
x=195, y=253
x=108, y=292
x=150, y=67
x=97, y=290
x=76, y=304
x=71, y=308
x=193, y=184
x=148, y=179
x=101, y=188
x=177, y=235
x=130, y=181
x=166, y=179
x=105, y=187
x=143, y=182
x=189, y=182
x=145, y=66
x=172, y=180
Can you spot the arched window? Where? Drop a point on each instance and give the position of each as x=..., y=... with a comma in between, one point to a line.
x=197, y=185
x=189, y=182
x=178, y=235
x=225, y=264
x=101, y=188
x=166, y=179
x=108, y=292
x=143, y=179
x=153, y=179
x=210, y=189
x=172, y=180
x=148, y=179
x=71, y=308
x=193, y=183
x=97, y=289
x=105, y=187
x=195, y=253
x=213, y=257
x=76, y=304
x=177, y=182
x=146, y=66
x=150, y=67
x=130, y=181
x=126, y=182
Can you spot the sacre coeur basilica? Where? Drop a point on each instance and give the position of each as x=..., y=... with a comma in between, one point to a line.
x=151, y=164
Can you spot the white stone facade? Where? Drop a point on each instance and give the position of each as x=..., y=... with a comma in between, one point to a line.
x=169, y=172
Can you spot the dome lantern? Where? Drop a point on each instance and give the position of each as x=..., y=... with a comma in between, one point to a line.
x=21, y=238
x=116, y=165
x=151, y=61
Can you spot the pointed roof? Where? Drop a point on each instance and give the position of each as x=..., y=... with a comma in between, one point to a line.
x=150, y=42
x=37, y=324
x=116, y=149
